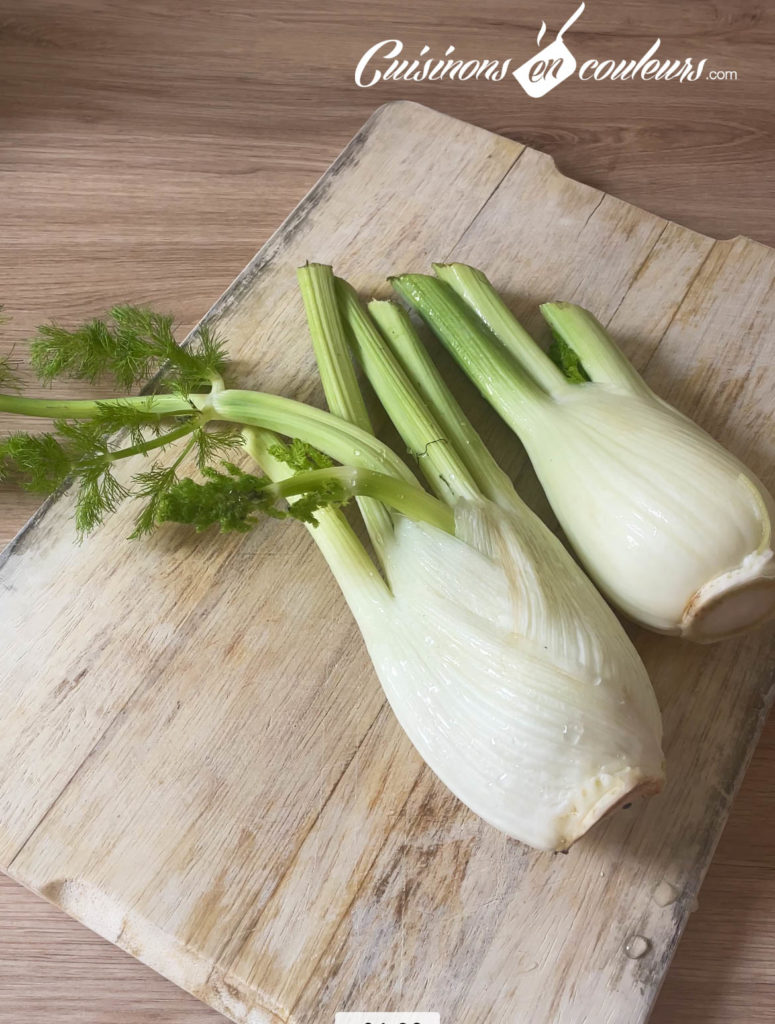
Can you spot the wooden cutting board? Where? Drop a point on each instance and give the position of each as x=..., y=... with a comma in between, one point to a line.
x=196, y=758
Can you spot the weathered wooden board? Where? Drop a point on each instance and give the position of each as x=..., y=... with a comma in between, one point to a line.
x=196, y=759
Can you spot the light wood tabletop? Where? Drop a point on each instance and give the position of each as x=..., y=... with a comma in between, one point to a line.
x=147, y=151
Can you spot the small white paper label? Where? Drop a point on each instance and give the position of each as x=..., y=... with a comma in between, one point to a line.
x=407, y=1017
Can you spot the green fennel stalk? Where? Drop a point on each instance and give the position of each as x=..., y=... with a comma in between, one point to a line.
x=337, y=375
x=399, y=334
x=488, y=364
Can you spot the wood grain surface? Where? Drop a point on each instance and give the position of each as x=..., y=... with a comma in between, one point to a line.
x=147, y=152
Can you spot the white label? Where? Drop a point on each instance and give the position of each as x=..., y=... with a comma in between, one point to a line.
x=408, y=1017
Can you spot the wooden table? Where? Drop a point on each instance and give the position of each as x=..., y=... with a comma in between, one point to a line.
x=147, y=150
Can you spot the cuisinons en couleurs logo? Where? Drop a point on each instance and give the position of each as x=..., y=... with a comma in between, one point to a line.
x=552, y=64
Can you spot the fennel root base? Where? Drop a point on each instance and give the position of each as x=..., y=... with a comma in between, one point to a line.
x=733, y=603
x=630, y=786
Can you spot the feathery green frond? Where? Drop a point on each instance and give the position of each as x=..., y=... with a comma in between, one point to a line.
x=114, y=417
x=209, y=351
x=8, y=378
x=39, y=460
x=215, y=444
x=130, y=344
x=99, y=495
x=86, y=443
x=91, y=437
x=153, y=485
x=86, y=440
x=234, y=500
x=84, y=353
x=300, y=456
x=210, y=445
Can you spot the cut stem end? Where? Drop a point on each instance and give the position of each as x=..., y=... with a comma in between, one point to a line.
x=733, y=603
x=626, y=787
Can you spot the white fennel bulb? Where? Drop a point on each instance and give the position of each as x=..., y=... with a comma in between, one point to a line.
x=675, y=530
x=510, y=674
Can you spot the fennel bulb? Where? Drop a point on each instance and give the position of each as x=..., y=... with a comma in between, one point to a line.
x=674, y=529
x=511, y=676
x=670, y=525
x=506, y=668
